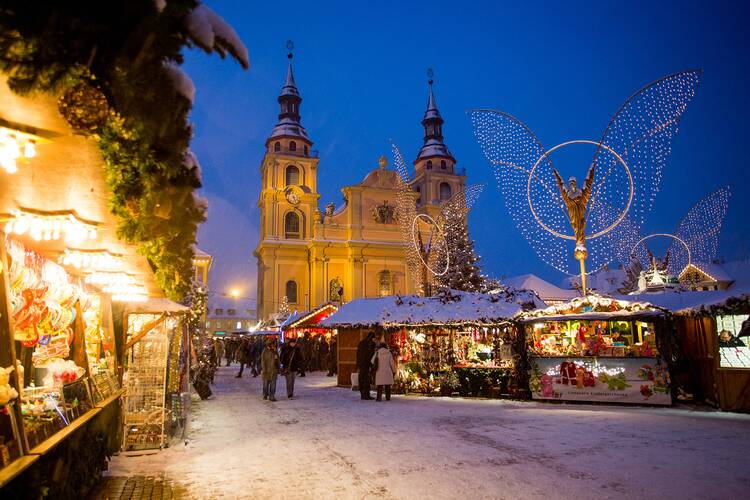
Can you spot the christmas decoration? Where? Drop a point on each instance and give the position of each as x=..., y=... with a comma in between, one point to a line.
x=634, y=148
x=84, y=107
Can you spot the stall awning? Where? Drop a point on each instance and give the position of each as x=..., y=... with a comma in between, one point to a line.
x=595, y=307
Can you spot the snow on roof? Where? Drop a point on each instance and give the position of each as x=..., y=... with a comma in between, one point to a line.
x=449, y=308
x=544, y=289
x=155, y=306
x=715, y=271
x=594, y=307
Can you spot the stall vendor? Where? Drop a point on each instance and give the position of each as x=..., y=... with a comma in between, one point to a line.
x=726, y=339
x=618, y=337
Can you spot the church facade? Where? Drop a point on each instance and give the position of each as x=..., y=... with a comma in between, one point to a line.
x=307, y=256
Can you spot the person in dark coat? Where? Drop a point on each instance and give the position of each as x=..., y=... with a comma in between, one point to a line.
x=365, y=351
x=323, y=353
x=291, y=359
x=333, y=358
x=307, y=351
x=269, y=370
x=256, y=349
x=242, y=353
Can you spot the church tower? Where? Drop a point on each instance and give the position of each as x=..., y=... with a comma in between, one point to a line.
x=436, y=179
x=288, y=205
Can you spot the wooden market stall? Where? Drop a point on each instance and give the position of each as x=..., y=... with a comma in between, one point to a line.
x=299, y=324
x=455, y=342
x=157, y=363
x=715, y=348
x=57, y=337
x=599, y=349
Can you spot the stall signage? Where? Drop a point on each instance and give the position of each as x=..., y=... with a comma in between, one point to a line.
x=617, y=380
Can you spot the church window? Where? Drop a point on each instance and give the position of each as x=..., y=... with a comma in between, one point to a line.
x=445, y=191
x=292, y=146
x=277, y=146
x=291, y=291
x=305, y=149
x=291, y=226
x=385, y=282
x=292, y=175
x=419, y=193
x=429, y=164
x=442, y=164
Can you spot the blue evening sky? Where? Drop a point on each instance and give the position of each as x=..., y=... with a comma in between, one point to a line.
x=564, y=68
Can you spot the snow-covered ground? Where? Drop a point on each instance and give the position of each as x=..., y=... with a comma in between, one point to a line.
x=327, y=443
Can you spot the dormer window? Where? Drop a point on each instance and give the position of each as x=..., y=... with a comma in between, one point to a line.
x=292, y=146
x=429, y=164
x=231, y=312
x=219, y=311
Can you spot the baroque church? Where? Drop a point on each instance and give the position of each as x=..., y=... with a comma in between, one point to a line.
x=308, y=256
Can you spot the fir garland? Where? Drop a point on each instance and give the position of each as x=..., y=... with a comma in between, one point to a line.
x=108, y=62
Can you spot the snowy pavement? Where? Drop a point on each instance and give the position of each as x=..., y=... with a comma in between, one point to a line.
x=327, y=443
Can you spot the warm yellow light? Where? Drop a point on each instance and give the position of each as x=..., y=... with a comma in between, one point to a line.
x=234, y=293
x=14, y=146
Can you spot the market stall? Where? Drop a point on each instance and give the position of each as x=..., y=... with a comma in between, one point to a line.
x=157, y=398
x=455, y=342
x=601, y=349
x=299, y=324
x=713, y=342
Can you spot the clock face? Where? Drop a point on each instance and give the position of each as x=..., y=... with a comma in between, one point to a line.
x=292, y=197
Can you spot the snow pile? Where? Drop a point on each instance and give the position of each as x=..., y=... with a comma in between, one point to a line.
x=182, y=83
x=209, y=31
x=450, y=307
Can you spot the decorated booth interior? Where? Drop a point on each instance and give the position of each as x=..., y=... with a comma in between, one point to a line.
x=599, y=349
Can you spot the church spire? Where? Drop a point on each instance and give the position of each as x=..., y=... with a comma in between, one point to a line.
x=433, y=128
x=289, y=129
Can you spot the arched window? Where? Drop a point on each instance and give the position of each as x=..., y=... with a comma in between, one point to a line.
x=445, y=191
x=291, y=291
x=291, y=226
x=418, y=189
x=385, y=283
x=292, y=146
x=292, y=175
x=442, y=164
x=429, y=164
x=305, y=149
x=277, y=146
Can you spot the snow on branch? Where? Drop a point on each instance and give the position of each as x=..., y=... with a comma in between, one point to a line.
x=181, y=81
x=210, y=32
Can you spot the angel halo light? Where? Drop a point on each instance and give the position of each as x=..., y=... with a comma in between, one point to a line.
x=623, y=178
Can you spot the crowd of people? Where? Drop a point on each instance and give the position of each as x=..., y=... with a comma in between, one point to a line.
x=263, y=356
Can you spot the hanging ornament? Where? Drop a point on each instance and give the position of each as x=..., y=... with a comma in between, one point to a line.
x=84, y=107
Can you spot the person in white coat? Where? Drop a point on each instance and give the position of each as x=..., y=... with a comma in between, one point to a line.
x=385, y=370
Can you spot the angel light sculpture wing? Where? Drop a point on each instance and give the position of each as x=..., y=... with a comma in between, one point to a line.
x=700, y=230
x=640, y=133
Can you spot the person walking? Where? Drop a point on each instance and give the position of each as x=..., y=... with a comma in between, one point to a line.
x=230, y=350
x=219, y=348
x=242, y=354
x=256, y=350
x=333, y=358
x=269, y=363
x=365, y=350
x=291, y=358
x=385, y=371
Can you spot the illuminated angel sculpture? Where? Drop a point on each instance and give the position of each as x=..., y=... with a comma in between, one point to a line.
x=623, y=177
x=695, y=241
x=425, y=239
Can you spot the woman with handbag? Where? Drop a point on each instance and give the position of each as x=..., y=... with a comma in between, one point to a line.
x=385, y=369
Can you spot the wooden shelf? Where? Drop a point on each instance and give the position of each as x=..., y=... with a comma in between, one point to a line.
x=54, y=440
x=17, y=466
x=110, y=400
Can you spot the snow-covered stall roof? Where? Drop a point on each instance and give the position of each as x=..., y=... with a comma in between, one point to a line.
x=680, y=301
x=544, y=289
x=155, y=306
x=595, y=307
x=453, y=308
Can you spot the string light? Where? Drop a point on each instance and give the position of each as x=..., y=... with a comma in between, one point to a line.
x=50, y=227
x=15, y=146
x=106, y=279
x=91, y=260
x=641, y=133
